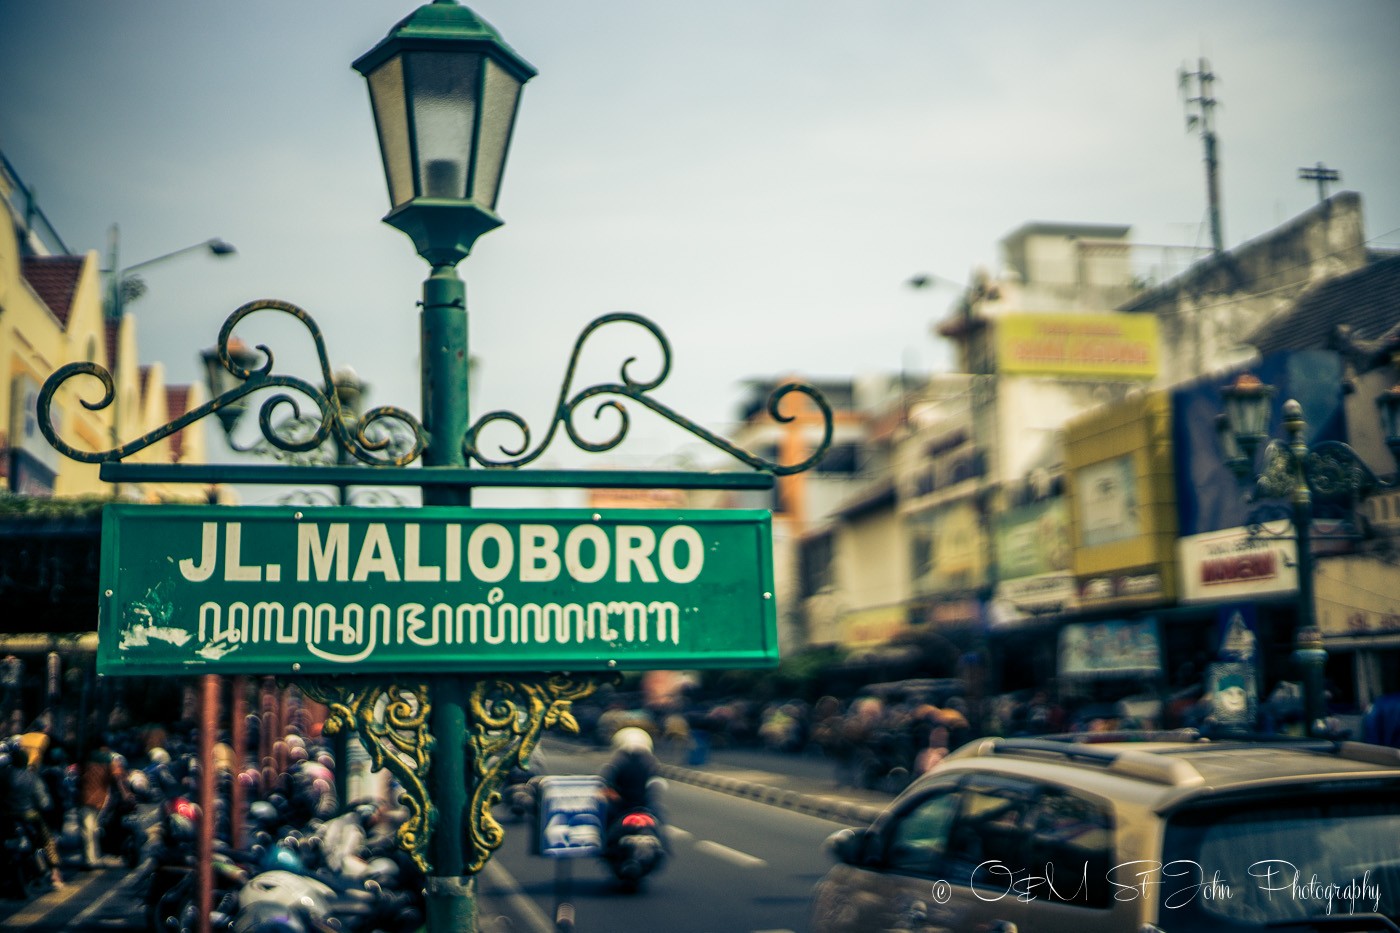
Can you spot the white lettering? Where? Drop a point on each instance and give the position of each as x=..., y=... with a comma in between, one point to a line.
x=376, y=555
x=476, y=560
x=695, y=553
x=311, y=550
x=233, y=545
x=208, y=555
x=573, y=553
x=635, y=544
x=539, y=562
x=412, y=570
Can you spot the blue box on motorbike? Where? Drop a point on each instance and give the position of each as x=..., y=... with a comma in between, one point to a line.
x=569, y=816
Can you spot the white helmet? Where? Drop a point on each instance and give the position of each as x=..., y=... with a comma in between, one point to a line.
x=631, y=739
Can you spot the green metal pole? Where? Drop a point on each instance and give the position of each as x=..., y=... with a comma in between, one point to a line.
x=451, y=897
x=1308, y=656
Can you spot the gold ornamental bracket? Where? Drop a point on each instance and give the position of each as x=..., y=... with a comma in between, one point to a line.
x=507, y=716
x=391, y=721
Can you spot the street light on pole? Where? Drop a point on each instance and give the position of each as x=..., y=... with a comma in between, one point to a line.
x=444, y=88
x=1297, y=472
x=121, y=279
x=120, y=276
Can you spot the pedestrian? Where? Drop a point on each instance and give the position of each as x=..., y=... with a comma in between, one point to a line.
x=24, y=800
x=1381, y=724
x=101, y=777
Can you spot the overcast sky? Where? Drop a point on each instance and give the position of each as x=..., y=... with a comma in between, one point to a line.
x=759, y=178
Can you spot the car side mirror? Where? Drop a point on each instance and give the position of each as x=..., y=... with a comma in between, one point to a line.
x=849, y=846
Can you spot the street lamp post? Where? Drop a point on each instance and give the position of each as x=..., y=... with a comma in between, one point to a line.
x=1297, y=472
x=444, y=88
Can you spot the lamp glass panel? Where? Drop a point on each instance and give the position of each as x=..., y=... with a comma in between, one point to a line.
x=499, y=99
x=444, y=89
x=391, y=119
x=1389, y=405
x=1229, y=449
x=1248, y=411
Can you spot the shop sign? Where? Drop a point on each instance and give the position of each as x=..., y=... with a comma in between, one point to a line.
x=953, y=612
x=1223, y=566
x=210, y=589
x=1026, y=597
x=867, y=627
x=1108, y=502
x=1357, y=596
x=1110, y=649
x=1123, y=586
x=1114, y=345
x=1033, y=540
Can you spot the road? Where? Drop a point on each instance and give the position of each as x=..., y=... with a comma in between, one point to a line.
x=89, y=902
x=737, y=865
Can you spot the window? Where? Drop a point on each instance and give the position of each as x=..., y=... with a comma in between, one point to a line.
x=918, y=840
x=1070, y=852
x=987, y=845
x=1036, y=843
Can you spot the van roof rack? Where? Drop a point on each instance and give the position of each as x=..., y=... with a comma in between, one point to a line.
x=1159, y=769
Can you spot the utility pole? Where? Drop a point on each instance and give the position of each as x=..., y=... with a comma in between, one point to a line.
x=1322, y=175
x=1198, y=115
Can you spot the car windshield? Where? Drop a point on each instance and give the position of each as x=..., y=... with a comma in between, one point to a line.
x=1331, y=854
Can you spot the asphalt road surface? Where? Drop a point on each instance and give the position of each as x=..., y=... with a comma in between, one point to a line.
x=736, y=866
x=89, y=902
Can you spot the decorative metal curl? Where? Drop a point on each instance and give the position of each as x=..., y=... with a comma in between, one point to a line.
x=352, y=435
x=636, y=390
x=397, y=740
x=1330, y=469
x=508, y=717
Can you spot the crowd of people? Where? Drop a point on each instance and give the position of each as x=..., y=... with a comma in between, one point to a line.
x=75, y=809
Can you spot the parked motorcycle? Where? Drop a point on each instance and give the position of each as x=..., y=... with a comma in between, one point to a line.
x=24, y=868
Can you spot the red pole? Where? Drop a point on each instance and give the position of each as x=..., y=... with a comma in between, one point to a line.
x=208, y=723
x=238, y=737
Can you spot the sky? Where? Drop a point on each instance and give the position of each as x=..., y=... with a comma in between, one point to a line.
x=760, y=179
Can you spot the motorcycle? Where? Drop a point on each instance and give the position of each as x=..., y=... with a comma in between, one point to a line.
x=24, y=867
x=519, y=794
x=634, y=847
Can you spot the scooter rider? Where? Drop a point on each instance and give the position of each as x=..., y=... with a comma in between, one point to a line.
x=629, y=772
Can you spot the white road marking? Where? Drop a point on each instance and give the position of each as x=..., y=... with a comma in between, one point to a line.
x=742, y=859
x=526, y=909
x=675, y=832
x=52, y=900
x=97, y=904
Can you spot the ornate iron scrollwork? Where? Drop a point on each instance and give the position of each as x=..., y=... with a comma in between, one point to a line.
x=637, y=390
x=396, y=737
x=1335, y=470
x=370, y=439
x=507, y=717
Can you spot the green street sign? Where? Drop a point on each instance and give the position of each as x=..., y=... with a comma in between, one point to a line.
x=213, y=589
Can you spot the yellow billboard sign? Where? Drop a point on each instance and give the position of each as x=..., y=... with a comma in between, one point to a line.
x=1102, y=345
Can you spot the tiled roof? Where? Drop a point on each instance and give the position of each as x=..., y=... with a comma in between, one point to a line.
x=1365, y=302
x=54, y=279
x=177, y=402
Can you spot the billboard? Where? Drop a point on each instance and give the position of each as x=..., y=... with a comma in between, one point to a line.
x=1113, y=346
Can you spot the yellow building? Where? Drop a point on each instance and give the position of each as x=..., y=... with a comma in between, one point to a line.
x=52, y=313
